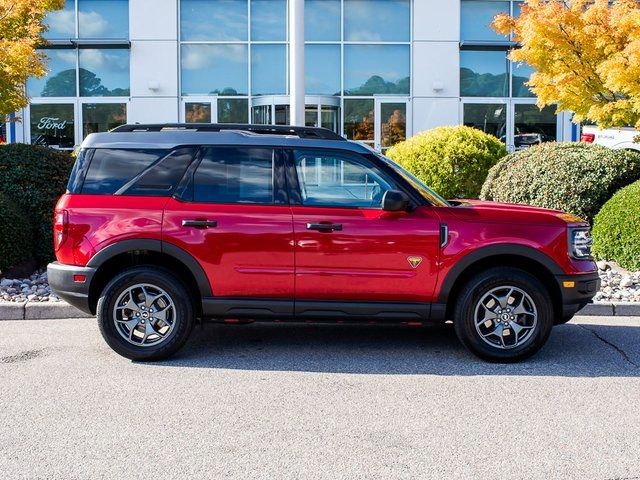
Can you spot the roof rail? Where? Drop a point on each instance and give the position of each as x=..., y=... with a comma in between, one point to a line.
x=301, y=132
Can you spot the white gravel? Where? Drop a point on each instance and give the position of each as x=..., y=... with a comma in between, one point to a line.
x=34, y=289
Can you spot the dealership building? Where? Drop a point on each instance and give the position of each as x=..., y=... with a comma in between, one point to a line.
x=375, y=70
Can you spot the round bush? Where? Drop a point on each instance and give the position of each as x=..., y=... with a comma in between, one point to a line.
x=616, y=229
x=16, y=235
x=454, y=161
x=573, y=177
x=33, y=177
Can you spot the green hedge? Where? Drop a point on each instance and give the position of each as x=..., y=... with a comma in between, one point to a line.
x=574, y=177
x=16, y=235
x=33, y=177
x=454, y=161
x=616, y=229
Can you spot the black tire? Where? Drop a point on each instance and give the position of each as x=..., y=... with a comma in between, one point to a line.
x=183, y=313
x=474, y=291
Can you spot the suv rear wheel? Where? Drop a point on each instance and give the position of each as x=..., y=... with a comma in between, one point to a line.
x=145, y=313
x=503, y=315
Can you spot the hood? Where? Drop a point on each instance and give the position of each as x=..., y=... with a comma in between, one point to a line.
x=485, y=211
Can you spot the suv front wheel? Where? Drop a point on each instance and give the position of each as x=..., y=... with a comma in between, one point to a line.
x=503, y=314
x=145, y=313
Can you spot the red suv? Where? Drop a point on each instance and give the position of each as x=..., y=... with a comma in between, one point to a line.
x=163, y=225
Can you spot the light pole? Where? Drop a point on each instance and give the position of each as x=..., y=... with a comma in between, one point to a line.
x=296, y=61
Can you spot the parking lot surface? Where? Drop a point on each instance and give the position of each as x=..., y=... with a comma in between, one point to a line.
x=319, y=402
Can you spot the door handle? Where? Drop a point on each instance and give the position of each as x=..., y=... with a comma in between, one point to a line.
x=200, y=223
x=324, y=227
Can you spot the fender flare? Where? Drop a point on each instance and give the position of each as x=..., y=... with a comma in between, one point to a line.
x=492, y=251
x=153, y=245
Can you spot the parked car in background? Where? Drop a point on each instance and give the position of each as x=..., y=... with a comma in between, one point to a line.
x=163, y=225
x=619, y=138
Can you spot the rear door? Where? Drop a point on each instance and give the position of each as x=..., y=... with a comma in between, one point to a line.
x=232, y=215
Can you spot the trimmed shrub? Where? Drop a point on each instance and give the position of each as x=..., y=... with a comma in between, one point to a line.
x=573, y=177
x=454, y=161
x=16, y=235
x=33, y=177
x=616, y=229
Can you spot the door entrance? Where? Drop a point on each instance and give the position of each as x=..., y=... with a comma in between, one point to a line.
x=391, y=122
x=518, y=123
x=320, y=111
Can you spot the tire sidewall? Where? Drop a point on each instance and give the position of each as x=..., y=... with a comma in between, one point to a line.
x=464, y=318
x=167, y=282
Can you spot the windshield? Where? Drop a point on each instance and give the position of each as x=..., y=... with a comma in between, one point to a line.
x=429, y=195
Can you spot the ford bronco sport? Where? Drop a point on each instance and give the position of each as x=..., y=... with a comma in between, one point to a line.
x=165, y=224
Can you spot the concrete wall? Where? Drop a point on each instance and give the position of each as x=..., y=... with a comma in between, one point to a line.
x=436, y=64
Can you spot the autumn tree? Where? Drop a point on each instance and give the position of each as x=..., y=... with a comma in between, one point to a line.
x=20, y=30
x=585, y=55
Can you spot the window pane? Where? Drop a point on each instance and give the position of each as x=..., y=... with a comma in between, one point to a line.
x=329, y=117
x=104, y=73
x=197, y=112
x=393, y=123
x=261, y=114
x=338, y=181
x=377, y=20
x=477, y=17
x=322, y=20
x=103, y=18
x=521, y=73
x=483, y=74
x=358, y=119
x=52, y=125
x=62, y=23
x=269, y=20
x=213, y=20
x=210, y=69
x=235, y=175
x=373, y=69
x=161, y=179
x=61, y=79
x=490, y=118
x=322, y=69
x=110, y=169
x=102, y=117
x=534, y=126
x=268, y=69
x=233, y=110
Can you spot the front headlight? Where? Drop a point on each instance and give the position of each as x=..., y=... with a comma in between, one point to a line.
x=580, y=243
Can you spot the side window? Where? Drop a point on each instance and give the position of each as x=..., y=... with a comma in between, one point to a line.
x=161, y=178
x=331, y=179
x=110, y=169
x=235, y=175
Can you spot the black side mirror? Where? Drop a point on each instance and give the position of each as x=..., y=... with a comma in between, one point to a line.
x=395, y=201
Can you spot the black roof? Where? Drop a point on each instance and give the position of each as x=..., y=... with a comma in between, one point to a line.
x=300, y=132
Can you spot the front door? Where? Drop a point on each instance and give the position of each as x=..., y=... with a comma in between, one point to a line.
x=349, y=249
x=233, y=217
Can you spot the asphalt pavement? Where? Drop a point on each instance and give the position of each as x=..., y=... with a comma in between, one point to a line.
x=274, y=401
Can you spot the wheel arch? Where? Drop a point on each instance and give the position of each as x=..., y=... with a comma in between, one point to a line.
x=519, y=256
x=128, y=253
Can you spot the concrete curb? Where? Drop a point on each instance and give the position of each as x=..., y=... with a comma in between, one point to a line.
x=38, y=311
x=55, y=310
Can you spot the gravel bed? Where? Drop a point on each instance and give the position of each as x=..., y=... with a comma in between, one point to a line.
x=618, y=285
x=34, y=289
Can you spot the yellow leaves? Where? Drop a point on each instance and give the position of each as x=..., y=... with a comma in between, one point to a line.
x=585, y=53
x=20, y=29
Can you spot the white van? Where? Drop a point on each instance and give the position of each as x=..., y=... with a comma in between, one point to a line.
x=621, y=138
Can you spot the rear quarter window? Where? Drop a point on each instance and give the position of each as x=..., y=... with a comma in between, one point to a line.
x=111, y=169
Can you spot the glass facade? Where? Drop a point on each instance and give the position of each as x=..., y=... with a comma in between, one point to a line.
x=237, y=49
x=88, y=61
x=495, y=96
